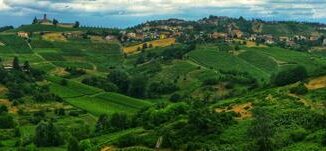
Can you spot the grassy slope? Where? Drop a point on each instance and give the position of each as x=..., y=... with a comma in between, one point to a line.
x=94, y=100
x=13, y=44
x=226, y=62
x=259, y=62
x=289, y=57
x=39, y=27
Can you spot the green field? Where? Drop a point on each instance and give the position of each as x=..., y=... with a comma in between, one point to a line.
x=13, y=44
x=108, y=103
x=223, y=61
x=94, y=100
x=39, y=28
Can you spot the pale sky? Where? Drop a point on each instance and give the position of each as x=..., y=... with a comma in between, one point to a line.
x=124, y=13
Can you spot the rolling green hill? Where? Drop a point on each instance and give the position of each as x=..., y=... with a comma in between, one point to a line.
x=194, y=95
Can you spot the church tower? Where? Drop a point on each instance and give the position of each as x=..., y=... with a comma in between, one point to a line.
x=44, y=17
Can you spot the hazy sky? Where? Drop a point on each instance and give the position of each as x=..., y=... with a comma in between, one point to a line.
x=123, y=13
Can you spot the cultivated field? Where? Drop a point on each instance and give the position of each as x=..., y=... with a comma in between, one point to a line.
x=155, y=43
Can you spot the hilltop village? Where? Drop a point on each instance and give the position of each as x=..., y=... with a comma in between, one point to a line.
x=292, y=35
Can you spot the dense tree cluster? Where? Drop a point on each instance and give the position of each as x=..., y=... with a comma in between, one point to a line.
x=115, y=122
x=20, y=81
x=46, y=134
x=4, y=28
x=102, y=83
x=178, y=124
x=177, y=52
x=290, y=75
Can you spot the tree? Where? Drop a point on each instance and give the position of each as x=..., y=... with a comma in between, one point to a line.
x=102, y=123
x=175, y=97
x=300, y=89
x=3, y=109
x=138, y=87
x=35, y=21
x=64, y=82
x=46, y=135
x=120, y=79
x=55, y=22
x=145, y=46
x=289, y=76
x=262, y=130
x=73, y=144
x=85, y=145
x=26, y=66
x=77, y=24
x=6, y=121
x=15, y=63
x=119, y=121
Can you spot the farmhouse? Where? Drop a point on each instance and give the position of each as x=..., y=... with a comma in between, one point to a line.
x=236, y=33
x=300, y=37
x=252, y=37
x=22, y=34
x=268, y=39
x=218, y=35
x=110, y=37
x=131, y=35
x=314, y=36
x=284, y=39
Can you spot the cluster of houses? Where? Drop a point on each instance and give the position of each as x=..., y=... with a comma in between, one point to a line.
x=266, y=38
x=155, y=32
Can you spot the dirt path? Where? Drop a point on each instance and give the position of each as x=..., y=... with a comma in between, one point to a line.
x=317, y=83
x=243, y=110
x=3, y=89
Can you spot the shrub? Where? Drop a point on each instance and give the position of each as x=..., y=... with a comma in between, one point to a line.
x=46, y=134
x=211, y=81
x=298, y=135
x=289, y=76
x=175, y=97
x=3, y=109
x=6, y=121
x=64, y=82
x=60, y=112
x=73, y=144
x=74, y=113
x=120, y=79
x=85, y=145
x=300, y=89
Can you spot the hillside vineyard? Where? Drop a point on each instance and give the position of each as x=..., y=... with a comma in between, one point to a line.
x=217, y=83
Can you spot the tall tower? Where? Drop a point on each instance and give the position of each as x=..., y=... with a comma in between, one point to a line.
x=44, y=17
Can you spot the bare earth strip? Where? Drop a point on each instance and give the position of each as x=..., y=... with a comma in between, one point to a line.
x=242, y=109
x=317, y=83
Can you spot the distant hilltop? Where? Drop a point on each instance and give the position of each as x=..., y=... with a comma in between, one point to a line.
x=46, y=21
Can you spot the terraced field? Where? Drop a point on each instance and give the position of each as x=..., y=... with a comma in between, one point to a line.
x=259, y=62
x=95, y=100
x=226, y=62
x=311, y=62
x=13, y=44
